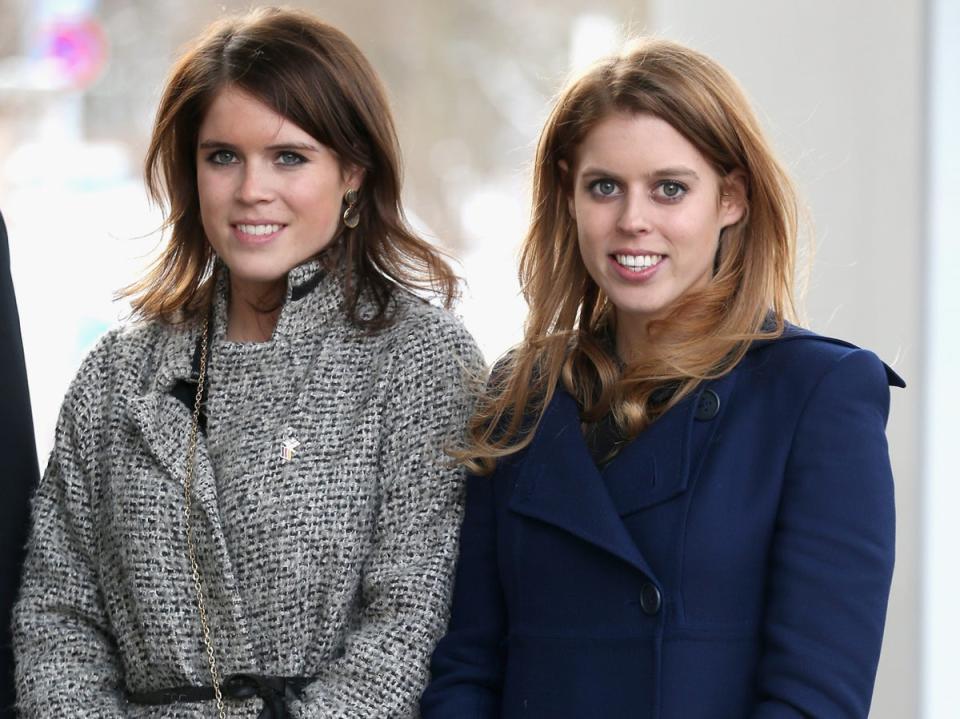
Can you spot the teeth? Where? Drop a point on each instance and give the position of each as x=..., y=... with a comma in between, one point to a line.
x=638, y=262
x=259, y=229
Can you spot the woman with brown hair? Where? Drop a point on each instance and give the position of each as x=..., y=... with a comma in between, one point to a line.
x=683, y=503
x=248, y=509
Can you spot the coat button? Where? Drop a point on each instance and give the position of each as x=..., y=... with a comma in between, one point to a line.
x=708, y=406
x=650, y=599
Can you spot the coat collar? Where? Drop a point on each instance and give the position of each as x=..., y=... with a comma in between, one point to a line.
x=559, y=483
x=314, y=297
x=793, y=332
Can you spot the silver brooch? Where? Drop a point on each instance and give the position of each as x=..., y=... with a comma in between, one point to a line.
x=289, y=445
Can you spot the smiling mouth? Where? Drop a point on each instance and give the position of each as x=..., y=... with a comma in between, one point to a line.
x=257, y=230
x=638, y=263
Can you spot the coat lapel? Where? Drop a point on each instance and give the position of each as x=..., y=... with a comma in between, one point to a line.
x=655, y=466
x=661, y=461
x=164, y=422
x=559, y=483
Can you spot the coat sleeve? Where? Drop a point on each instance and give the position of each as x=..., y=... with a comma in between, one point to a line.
x=406, y=583
x=66, y=658
x=20, y=472
x=833, y=550
x=467, y=667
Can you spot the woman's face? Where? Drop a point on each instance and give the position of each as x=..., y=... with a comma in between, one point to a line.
x=270, y=194
x=649, y=212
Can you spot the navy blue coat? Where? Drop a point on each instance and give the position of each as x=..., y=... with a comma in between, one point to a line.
x=732, y=561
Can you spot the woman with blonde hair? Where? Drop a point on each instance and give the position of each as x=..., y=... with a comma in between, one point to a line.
x=248, y=510
x=682, y=505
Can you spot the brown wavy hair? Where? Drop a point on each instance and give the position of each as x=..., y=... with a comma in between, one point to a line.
x=316, y=77
x=567, y=336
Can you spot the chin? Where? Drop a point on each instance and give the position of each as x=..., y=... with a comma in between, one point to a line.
x=640, y=310
x=257, y=275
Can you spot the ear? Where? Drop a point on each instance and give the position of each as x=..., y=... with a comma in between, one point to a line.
x=353, y=176
x=733, y=197
x=566, y=182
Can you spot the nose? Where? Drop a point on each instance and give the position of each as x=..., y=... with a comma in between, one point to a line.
x=255, y=184
x=634, y=216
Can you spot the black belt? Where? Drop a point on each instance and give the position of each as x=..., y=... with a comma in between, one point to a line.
x=275, y=692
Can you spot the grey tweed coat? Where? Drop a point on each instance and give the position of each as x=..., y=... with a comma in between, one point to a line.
x=335, y=564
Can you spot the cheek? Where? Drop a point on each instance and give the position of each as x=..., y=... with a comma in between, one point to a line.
x=212, y=190
x=319, y=200
x=593, y=254
x=698, y=231
x=586, y=243
x=593, y=226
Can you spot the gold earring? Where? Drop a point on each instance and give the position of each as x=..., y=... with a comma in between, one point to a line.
x=351, y=218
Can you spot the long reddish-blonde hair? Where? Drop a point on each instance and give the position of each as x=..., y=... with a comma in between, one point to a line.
x=566, y=336
x=315, y=76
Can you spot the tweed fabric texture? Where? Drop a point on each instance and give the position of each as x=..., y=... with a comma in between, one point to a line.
x=336, y=564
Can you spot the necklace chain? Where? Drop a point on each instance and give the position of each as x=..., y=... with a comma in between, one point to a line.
x=191, y=540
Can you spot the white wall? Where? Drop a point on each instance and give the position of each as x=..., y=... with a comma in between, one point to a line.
x=839, y=86
x=941, y=586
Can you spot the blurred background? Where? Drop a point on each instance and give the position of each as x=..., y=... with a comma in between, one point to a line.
x=860, y=97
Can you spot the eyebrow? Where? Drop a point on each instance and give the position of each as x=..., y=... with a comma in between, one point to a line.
x=219, y=144
x=678, y=171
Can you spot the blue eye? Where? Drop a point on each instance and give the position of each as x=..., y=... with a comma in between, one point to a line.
x=671, y=190
x=290, y=159
x=222, y=157
x=604, y=187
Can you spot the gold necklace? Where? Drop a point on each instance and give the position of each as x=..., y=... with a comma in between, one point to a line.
x=191, y=541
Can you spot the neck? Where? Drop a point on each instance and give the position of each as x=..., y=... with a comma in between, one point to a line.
x=252, y=314
x=633, y=346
